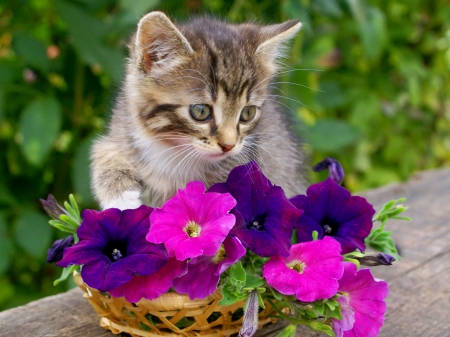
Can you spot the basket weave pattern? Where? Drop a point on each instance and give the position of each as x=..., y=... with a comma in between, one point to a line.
x=159, y=317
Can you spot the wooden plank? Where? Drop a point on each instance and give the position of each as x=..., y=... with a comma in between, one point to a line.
x=419, y=300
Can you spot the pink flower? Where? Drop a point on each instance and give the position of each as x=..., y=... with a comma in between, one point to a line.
x=193, y=222
x=203, y=272
x=311, y=271
x=365, y=295
x=151, y=286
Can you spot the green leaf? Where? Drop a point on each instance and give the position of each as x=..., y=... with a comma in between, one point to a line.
x=32, y=233
x=9, y=71
x=65, y=274
x=253, y=281
x=228, y=297
x=75, y=207
x=138, y=8
x=62, y=226
x=331, y=135
x=6, y=247
x=89, y=39
x=31, y=50
x=238, y=272
x=81, y=177
x=288, y=331
x=39, y=126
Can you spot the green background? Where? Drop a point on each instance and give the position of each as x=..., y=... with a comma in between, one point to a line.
x=369, y=80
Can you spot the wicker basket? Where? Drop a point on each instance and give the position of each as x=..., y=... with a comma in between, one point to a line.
x=171, y=314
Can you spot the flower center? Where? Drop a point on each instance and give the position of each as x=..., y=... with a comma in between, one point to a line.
x=297, y=265
x=257, y=223
x=329, y=226
x=116, y=254
x=220, y=255
x=115, y=250
x=192, y=229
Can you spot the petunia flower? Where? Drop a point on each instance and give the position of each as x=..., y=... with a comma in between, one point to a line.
x=112, y=248
x=365, y=295
x=264, y=216
x=193, y=222
x=151, y=286
x=204, y=272
x=310, y=272
x=331, y=210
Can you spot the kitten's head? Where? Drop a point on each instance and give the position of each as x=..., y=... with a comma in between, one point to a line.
x=202, y=85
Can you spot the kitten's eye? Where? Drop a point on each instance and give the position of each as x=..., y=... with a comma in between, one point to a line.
x=248, y=113
x=200, y=112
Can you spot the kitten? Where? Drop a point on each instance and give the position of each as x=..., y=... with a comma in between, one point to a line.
x=195, y=104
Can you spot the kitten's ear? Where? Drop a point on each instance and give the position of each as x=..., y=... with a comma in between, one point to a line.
x=159, y=44
x=274, y=38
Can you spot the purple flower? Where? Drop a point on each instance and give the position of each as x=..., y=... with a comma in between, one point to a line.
x=264, y=216
x=193, y=222
x=151, y=286
x=335, y=170
x=330, y=209
x=311, y=271
x=203, y=272
x=365, y=295
x=112, y=248
x=55, y=253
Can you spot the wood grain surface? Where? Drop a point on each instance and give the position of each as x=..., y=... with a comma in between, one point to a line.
x=419, y=299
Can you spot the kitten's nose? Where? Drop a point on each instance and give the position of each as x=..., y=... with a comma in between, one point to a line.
x=226, y=147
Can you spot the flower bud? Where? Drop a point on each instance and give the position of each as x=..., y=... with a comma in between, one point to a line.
x=51, y=206
x=335, y=170
x=55, y=253
x=380, y=259
x=250, y=323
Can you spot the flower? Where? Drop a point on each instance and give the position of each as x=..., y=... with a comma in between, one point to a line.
x=331, y=210
x=193, y=222
x=55, y=253
x=335, y=170
x=348, y=317
x=264, y=216
x=151, y=286
x=365, y=295
x=112, y=248
x=310, y=272
x=204, y=272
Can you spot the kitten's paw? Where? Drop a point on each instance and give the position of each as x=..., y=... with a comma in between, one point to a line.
x=127, y=200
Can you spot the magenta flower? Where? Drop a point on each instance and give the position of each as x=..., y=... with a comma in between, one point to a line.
x=112, y=248
x=203, y=272
x=151, y=286
x=311, y=271
x=331, y=210
x=264, y=216
x=365, y=295
x=193, y=222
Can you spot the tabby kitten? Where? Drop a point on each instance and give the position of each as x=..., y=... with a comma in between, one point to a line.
x=195, y=104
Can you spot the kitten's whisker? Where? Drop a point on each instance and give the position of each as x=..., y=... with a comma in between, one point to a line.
x=297, y=84
x=214, y=78
x=287, y=106
x=257, y=86
x=291, y=99
x=174, y=156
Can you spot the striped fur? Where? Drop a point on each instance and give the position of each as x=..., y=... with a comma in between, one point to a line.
x=154, y=147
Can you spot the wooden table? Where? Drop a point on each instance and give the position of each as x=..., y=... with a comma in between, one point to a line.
x=419, y=299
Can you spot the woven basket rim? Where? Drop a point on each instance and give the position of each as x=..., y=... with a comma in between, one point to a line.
x=167, y=301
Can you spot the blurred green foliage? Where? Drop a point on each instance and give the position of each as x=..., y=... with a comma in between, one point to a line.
x=369, y=79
